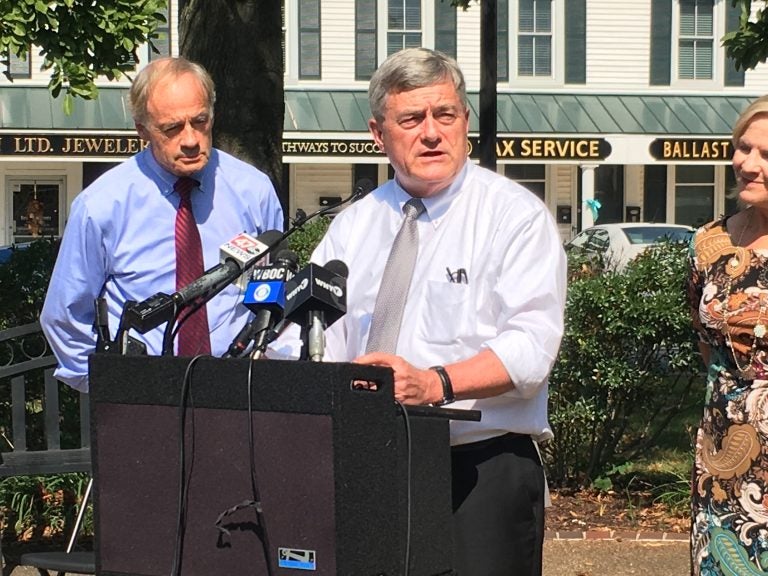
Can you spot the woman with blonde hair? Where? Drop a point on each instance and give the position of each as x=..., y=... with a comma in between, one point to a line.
x=728, y=293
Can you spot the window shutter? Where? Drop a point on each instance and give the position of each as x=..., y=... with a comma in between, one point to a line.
x=576, y=42
x=445, y=28
x=309, y=39
x=661, y=42
x=733, y=77
x=365, y=39
x=502, y=40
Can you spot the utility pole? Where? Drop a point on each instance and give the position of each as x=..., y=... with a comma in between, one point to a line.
x=488, y=80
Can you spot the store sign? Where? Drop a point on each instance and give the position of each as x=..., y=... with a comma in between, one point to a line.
x=91, y=145
x=689, y=149
x=326, y=147
x=528, y=148
x=506, y=148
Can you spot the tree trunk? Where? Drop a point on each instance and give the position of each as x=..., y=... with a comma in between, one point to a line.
x=240, y=44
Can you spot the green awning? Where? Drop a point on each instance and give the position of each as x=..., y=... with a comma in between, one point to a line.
x=346, y=111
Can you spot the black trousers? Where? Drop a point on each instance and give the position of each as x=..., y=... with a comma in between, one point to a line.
x=498, y=507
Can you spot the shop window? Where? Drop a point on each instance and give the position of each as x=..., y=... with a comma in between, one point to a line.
x=35, y=208
x=532, y=176
x=694, y=194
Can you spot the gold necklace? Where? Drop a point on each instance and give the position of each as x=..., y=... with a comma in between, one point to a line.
x=760, y=329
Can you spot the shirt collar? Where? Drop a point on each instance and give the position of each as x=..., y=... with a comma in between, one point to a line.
x=166, y=180
x=437, y=205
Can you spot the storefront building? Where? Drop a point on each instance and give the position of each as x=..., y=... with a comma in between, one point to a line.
x=627, y=104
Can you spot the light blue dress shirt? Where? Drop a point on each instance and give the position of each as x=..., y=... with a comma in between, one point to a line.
x=120, y=241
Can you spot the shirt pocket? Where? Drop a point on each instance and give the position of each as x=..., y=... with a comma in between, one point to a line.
x=446, y=312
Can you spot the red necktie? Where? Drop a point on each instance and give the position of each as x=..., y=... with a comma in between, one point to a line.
x=193, y=336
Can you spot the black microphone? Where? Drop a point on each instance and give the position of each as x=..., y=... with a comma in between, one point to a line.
x=315, y=298
x=237, y=256
x=265, y=296
x=362, y=187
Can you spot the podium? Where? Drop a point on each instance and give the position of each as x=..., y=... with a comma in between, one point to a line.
x=348, y=484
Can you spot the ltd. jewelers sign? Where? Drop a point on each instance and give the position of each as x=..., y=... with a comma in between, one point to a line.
x=98, y=145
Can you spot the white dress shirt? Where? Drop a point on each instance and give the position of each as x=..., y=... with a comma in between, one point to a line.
x=506, y=242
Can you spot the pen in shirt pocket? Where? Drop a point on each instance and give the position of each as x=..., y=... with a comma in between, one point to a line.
x=458, y=276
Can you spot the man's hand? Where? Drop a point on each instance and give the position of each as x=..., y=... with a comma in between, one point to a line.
x=412, y=385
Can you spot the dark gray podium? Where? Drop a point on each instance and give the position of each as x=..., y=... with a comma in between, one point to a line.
x=331, y=466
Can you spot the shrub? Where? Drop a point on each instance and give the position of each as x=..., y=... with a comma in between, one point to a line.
x=307, y=236
x=23, y=281
x=626, y=364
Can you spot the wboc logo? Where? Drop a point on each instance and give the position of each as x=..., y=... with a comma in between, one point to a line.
x=261, y=293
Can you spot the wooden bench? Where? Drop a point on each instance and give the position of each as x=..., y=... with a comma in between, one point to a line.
x=24, y=357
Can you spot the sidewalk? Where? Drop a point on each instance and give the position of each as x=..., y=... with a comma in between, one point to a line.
x=635, y=557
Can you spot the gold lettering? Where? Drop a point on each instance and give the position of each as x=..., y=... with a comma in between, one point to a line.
x=508, y=150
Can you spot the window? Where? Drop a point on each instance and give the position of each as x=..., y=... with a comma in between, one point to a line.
x=35, y=208
x=532, y=176
x=694, y=194
x=534, y=38
x=403, y=25
x=696, y=40
x=309, y=39
x=365, y=39
x=445, y=28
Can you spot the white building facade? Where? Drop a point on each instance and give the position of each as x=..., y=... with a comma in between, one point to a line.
x=627, y=103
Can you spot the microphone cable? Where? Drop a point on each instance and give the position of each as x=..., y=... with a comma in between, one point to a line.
x=252, y=462
x=255, y=501
x=183, y=499
x=408, y=491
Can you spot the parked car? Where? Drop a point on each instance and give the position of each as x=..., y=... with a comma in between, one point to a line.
x=619, y=243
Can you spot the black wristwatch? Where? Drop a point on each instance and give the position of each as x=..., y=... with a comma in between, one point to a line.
x=448, y=396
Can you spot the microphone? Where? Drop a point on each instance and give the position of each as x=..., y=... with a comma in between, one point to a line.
x=265, y=297
x=245, y=250
x=362, y=187
x=315, y=298
x=237, y=255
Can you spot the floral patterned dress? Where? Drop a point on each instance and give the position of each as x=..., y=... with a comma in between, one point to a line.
x=728, y=291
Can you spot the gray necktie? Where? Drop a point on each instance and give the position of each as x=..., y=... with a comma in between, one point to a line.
x=395, y=282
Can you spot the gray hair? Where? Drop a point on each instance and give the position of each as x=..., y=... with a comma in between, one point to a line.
x=159, y=70
x=409, y=69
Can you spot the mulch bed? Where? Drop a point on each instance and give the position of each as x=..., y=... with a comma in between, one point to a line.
x=582, y=510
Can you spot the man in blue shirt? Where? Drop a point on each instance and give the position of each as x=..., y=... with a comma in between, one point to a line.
x=120, y=238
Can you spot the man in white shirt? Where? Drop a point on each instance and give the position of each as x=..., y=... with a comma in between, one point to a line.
x=483, y=318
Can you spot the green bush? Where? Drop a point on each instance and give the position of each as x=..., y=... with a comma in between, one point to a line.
x=23, y=281
x=626, y=365
x=304, y=239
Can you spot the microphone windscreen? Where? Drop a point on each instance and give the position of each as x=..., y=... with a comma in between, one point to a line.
x=337, y=267
x=287, y=258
